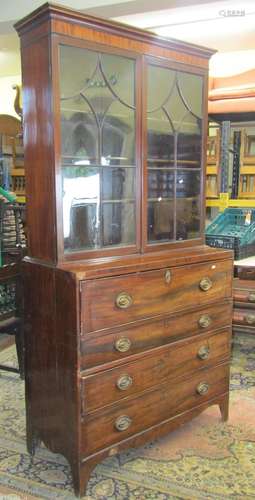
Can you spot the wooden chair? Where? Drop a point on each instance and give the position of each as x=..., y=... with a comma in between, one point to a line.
x=11, y=311
x=11, y=296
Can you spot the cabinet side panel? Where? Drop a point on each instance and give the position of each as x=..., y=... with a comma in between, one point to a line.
x=40, y=354
x=39, y=149
x=67, y=361
x=50, y=361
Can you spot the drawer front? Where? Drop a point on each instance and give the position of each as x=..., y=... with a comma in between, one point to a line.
x=244, y=296
x=175, y=361
x=115, y=301
x=98, y=349
x=244, y=317
x=105, y=428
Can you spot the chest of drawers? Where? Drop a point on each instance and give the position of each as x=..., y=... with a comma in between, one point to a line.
x=127, y=312
x=110, y=377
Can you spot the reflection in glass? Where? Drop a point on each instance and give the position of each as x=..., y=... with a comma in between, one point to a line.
x=191, y=88
x=98, y=148
x=174, y=110
x=160, y=184
x=160, y=221
x=187, y=205
x=118, y=224
x=98, y=207
x=189, y=142
x=161, y=82
x=81, y=198
x=118, y=141
x=118, y=183
x=78, y=132
x=98, y=110
x=160, y=139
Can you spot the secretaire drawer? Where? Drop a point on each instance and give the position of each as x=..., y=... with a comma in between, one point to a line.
x=97, y=349
x=133, y=416
x=107, y=302
x=170, y=362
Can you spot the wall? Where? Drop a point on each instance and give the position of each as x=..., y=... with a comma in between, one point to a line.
x=7, y=94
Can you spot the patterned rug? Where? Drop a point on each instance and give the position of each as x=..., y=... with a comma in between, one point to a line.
x=204, y=459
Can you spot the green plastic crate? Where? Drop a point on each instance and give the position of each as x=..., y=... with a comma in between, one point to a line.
x=233, y=229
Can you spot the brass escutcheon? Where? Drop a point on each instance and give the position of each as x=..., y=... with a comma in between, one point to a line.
x=124, y=382
x=202, y=388
x=123, y=300
x=123, y=423
x=168, y=276
x=205, y=284
x=123, y=344
x=251, y=297
x=204, y=320
x=203, y=352
x=250, y=319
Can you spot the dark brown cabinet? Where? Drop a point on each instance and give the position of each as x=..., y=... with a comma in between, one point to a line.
x=244, y=302
x=128, y=313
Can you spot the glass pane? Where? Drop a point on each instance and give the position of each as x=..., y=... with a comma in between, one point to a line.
x=191, y=89
x=77, y=67
x=98, y=148
x=118, y=135
x=89, y=213
x=187, y=205
x=81, y=207
x=176, y=108
x=160, y=140
x=174, y=142
x=119, y=73
x=161, y=82
x=160, y=184
x=118, y=183
x=160, y=221
x=189, y=142
x=118, y=224
x=79, y=133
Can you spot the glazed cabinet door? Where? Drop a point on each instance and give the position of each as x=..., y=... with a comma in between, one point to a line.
x=174, y=154
x=117, y=115
x=98, y=149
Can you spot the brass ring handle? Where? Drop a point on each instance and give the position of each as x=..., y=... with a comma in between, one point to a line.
x=251, y=297
x=123, y=423
x=204, y=320
x=203, y=352
x=202, y=388
x=250, y=319
x=123, y=344
x=205, y=284
x=123, y=300
x=124, y=382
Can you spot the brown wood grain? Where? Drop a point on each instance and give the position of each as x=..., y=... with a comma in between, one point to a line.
x=51, y=360
x=151, y=295
x=81, y=21
x=146, y=435
x=161, y=366
x=152, y=408
x=39, y=150
x=98, y=349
